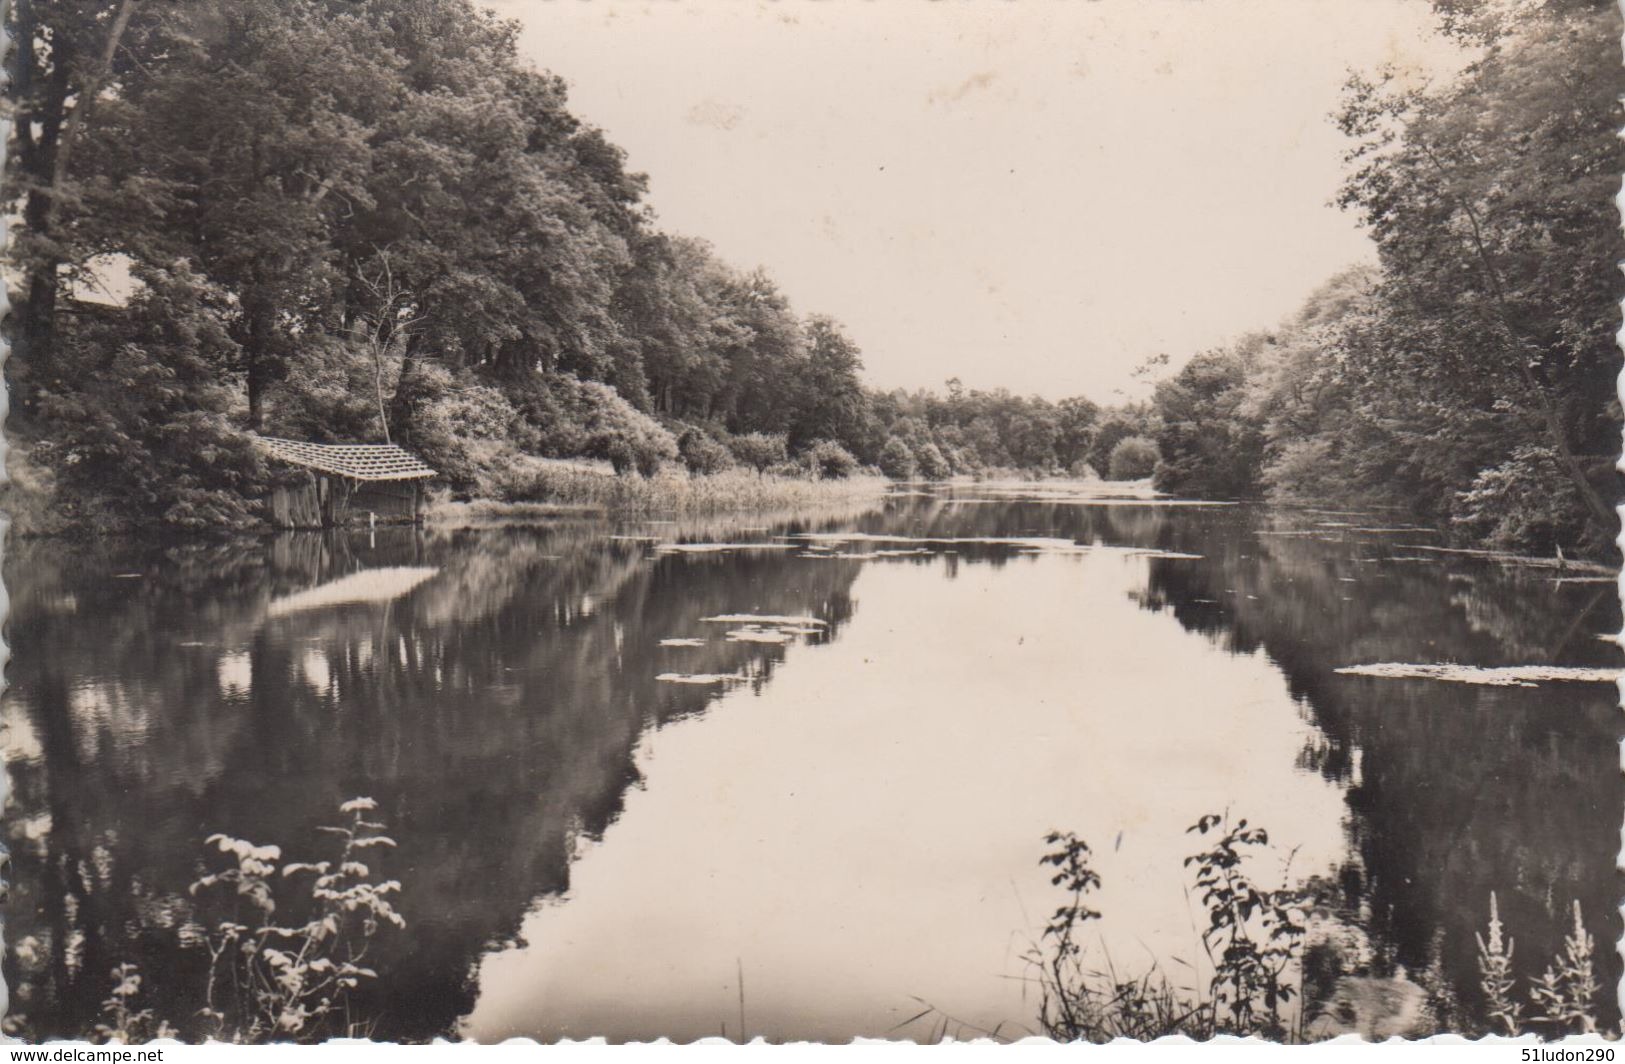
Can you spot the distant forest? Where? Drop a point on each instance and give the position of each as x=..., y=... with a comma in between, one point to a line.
x=359, y=220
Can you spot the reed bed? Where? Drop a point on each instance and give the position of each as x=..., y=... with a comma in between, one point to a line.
x=548, y=491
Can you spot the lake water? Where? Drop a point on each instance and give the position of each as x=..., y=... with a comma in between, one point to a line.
x=613, y=809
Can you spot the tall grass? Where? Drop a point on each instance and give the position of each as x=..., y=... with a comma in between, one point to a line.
x=538, y=489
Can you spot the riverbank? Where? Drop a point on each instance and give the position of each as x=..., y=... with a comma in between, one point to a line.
x=568, y=491
x=34, y=505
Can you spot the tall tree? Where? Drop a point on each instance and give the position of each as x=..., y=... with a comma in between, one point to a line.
x=832, y=398
x=1490, y=202
x=67, y=54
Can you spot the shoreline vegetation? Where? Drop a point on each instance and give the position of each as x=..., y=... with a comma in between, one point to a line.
x=378, y=222
x=1285, y=963
x=564, y=490
x=586, y=494
x=421, y=243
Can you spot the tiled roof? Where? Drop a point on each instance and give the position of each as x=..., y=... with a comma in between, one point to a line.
x=358, y=461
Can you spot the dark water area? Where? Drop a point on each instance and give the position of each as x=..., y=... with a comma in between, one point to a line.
x=610, y=805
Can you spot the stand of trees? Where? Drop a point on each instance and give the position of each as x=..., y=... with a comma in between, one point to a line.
x=1468, y=379
x=370, y=220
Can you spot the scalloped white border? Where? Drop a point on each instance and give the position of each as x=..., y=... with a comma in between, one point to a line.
x=1619, y=510
x=5, y=449
x=1173, y=1045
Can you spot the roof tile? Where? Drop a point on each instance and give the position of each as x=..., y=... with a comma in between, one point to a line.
x=358, y=461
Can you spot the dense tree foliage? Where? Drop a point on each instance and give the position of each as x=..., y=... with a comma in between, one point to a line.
x=1134, y=458
x=1207, y=446
x=370, y=220
x=1469, y=378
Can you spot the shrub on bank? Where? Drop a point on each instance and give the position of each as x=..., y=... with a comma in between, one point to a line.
x=703, y=454
x=931, y=463
x=896, y=460
x=147, y=437
x=1525, y=503
x=759, y=450
x=1134, y=458
x=829, y=460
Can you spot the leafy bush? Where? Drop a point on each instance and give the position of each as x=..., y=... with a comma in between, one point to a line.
x=573, y=418
x=1134, y=458
x=273, y=974
x=1082, y=470
x=1525, y=503
x=829, y=460
x=703, y=454
x=465, y=430
x=1253, y=938
x=962, y=459
x=618, y=431
x=896, y=460
x=1297, y=468
x=121, y=1020
x=329, y=394
x=759, y=450
x=1256, y=935
x=932, y=463
x=549, y=402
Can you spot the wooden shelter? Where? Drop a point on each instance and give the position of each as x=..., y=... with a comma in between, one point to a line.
x=376, y=478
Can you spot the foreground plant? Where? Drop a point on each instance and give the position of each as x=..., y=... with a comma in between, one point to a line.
x=273, y=980
x=1495, y=975
x=1254, y=936
x=121, y=1020
x=1253, y=939
x=1564, y=997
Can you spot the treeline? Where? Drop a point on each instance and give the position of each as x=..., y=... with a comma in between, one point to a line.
x=360, y=220
x=1468, y=379
x=368, y=220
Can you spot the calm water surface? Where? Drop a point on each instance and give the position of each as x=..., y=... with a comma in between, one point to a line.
x=848, y=814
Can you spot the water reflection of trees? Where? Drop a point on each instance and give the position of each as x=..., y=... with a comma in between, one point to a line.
x=1455, y=790
x=493, y=711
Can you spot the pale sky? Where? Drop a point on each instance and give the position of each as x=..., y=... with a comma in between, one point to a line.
x=1038, y=194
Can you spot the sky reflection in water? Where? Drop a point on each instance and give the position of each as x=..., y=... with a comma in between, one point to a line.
x=856, y=821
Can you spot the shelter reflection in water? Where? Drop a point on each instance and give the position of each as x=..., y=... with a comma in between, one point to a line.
x=916, y=693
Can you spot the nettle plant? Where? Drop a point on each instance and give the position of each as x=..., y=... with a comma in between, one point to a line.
x=274, y=980
x=1254, y=941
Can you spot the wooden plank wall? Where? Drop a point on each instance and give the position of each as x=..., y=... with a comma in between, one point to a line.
x=296, y=505
x=328, y=502
x=386, y=500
